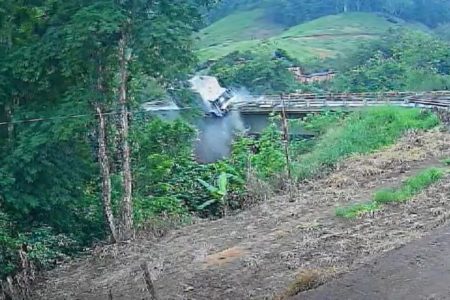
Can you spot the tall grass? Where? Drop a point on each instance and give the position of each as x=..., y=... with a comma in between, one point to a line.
x=361, y=132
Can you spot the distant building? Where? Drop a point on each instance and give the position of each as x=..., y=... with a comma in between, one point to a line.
x=303, y=77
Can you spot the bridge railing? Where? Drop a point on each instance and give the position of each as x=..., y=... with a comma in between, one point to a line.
x=321, y=100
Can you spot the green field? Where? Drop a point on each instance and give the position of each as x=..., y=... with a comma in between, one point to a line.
x=324, y=37
x=240, y=26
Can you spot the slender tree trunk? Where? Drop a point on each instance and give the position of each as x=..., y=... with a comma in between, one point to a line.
x=8, y=113
x=358, y=5
x=3, y=118
x=106, y=178
x=126, y=228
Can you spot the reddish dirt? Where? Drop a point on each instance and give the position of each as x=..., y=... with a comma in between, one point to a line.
x=261, y=253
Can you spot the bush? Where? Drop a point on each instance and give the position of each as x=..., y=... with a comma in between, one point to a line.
x=44, y=247
x=8, y=247
x=147, y=208
x=446, y=161
x=260, y=74
x=320, y=123
x=270, y=158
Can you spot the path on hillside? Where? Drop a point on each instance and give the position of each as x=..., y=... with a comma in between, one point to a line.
x=418, y=271
x=258, y=253
x=320, y=36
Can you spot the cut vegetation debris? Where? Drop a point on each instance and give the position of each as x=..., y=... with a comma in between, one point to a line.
x=407, y=191
x=411, y=187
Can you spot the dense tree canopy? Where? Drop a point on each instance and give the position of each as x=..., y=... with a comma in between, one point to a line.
x=260, y=74
x=411, y=61
x=292, y=12
x=80, y=58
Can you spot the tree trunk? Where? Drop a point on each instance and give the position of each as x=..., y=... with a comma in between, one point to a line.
x=126, y=228
x=358, y=5
x=106, y=178
x=8, y=112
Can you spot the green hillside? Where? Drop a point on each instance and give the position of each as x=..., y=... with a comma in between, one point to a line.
x=240, y=26
x=324, y=37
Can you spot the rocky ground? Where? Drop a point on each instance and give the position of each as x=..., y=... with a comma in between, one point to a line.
x=278, y=248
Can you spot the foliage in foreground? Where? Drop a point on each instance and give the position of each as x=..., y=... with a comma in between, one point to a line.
x=63, y=58
x=410, y=188
x=361, y=132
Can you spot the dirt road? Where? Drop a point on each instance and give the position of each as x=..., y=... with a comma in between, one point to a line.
x=418, y=271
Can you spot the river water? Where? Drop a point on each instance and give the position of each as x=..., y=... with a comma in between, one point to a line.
x=216, y=135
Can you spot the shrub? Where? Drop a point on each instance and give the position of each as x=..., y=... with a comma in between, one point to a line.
x=270, y=159
x=44, y=247
x=446, y=161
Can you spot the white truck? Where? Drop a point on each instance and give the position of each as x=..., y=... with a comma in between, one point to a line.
x=216, y=99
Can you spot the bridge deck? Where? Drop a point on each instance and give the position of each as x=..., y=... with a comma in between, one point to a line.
x=304, y=103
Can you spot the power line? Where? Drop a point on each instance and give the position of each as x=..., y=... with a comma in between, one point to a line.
x=36, y=120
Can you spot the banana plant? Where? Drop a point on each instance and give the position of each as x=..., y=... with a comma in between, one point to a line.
x=219, y=191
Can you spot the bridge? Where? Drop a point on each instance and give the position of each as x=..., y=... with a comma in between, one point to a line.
x=308, y=103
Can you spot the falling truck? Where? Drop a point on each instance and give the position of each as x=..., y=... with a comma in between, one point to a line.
x=216, y=99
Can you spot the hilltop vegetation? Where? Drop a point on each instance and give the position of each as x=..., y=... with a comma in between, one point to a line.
x=293, y=12
x=321, y=38
x=240, y=26
x=309, y=29
x=398, y=61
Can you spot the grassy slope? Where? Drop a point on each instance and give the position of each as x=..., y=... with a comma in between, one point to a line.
x=361, y=132
x=240, y=26
x=323, y=37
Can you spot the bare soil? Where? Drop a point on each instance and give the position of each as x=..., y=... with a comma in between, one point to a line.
x=418, y=271
x=278, y=248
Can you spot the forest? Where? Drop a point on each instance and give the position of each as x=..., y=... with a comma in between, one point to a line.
x=289, y=12
x=83, y=165
x=73, y=72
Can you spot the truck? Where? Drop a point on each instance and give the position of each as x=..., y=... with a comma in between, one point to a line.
x=216, y=99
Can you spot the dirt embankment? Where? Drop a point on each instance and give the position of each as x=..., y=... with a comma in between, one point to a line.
x=259, y=254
